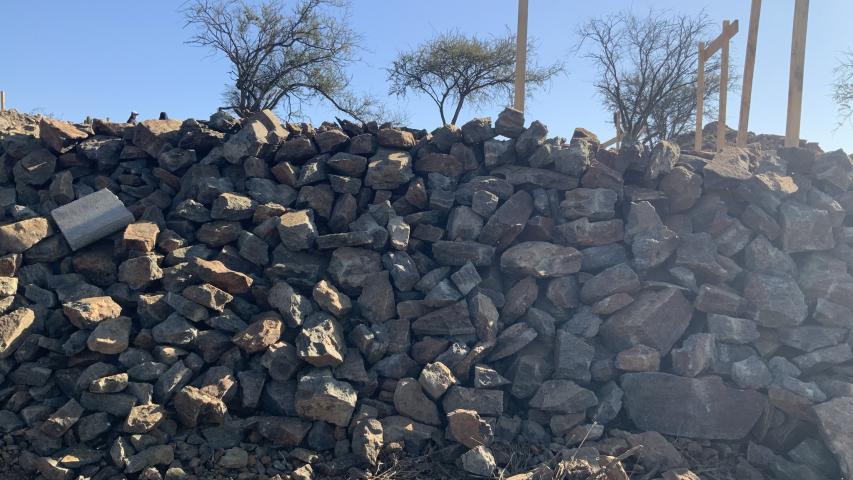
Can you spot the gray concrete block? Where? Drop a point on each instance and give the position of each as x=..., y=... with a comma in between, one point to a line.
x=91, y=218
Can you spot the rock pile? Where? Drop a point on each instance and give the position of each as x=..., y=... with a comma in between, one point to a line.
x=297, y=301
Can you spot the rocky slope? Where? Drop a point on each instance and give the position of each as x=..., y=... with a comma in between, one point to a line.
x=292, y=302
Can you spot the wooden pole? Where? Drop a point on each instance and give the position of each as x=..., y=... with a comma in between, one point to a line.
x=2, y=101
x=724, y=90
x=748, y=70
x=617, y=122
x=795, y=81
x=520, y=55
x=700, y=96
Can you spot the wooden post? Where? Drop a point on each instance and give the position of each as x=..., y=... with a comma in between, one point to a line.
x=2, y=101
x=700, y=97
x=520, y=55
x=617, y=122
x=724, y=90
x=795, y=81
x=748, y=69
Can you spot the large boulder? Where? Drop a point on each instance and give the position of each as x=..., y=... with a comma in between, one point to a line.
x=703, y=408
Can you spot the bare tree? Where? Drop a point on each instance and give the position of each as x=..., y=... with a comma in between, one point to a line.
x=279, y=57
x=452, y=69
x=647, y=69
x=842, y=87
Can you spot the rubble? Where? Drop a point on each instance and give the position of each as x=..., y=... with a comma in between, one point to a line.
x=277, y=300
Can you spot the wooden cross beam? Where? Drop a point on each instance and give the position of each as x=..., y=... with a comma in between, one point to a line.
x=720, y=43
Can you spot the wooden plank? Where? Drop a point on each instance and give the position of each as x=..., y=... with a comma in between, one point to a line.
x=724, y=91
x=521, y=55
x=723, y=38
x=748, y=70
x=700, y=97
x=795, y=81
x=609, y=142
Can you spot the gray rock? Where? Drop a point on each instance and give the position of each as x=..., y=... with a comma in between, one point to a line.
x=694, y=408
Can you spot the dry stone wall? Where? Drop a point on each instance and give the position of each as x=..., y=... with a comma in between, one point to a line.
x=303, y=301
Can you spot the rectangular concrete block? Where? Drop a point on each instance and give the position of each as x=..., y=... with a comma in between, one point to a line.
x=91, y=218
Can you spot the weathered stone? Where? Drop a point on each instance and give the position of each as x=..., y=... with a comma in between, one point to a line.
x=805, y=228
x=321, y=341
x=368, y=440
x=111, y=336
x=694, y=408
x=593, y=203
x=216, y=273
x=88, y=312
x=264, y=331
x=835, y=420
x=376, y=302
x=778, y=301
x=451, y=320
x=60, y=136
x=656, y=319
x=20, y=236
x=320, y=397
x=436, y=378
x=297, y=230
x=617, y=279
x=388, y=169
x=14, y=328
x=572, y=356
x=485, y=402
x=541, y=260
x=563, y=396
x=507, y=221
x=410, y=400
x=467, y=428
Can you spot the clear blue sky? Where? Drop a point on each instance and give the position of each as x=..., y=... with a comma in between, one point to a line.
x=105, y=58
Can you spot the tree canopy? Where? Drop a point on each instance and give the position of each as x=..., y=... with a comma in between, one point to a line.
x=647, y=70
x=281, y=57
x=453, y=69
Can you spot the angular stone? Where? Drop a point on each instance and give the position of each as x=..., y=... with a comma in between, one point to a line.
x=111, y=336
x=703, y=408
x=321, y=341
x=194, y=406
x=541, y=260
x=144, y=418
x=368, y=440
x=88, y=312
x=751, y=373
x=732, y=329
x=485, y=402
x=216, y=273
x=638, y=358
x=507, y=221
x=460, y=253
x=20, y=236
x=572, y=356
x=284, y=431
x=436, y=378
x=448, y=321
x=14, y=327
x=563, y=396
x=349, y=267
x=617, y=279
x=835, y=421
x=805, y=228
x=593, y=203
x=264, y=331
x=410, y=400
x=139, y=272
x=294, y=307
x=320, y=397
x=376, y=302
x=727, y=168
x=60, y=136
x=140, y=236
x=656, y=319
x=388, y=169
x=297, y=230
x=777, y=301
x=467, y=428
x=331, y=300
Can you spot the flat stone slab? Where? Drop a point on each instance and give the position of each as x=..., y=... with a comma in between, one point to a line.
x=91, y=218
x=691, y=407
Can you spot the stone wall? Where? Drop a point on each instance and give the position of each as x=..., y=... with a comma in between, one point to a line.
x=311, y=301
